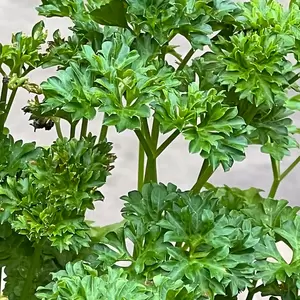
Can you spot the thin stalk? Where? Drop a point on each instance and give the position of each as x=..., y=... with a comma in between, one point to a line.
x=172, y=35
x=2, y=72
x=84, y=127
x=144, y=143
x=250, y=113
x=276, y=178
x=167, y=142
x=73, y=129
x=28, y=286
x=3, y=99
x=151, y=168
x=9, y=104
x=28, y=70
x=145, y=129
x=290, y=168
x=205, y=173
x=155, y=132
x=294, y=79
x=253, y=291
x=103, y=131
x=58, y=129
x=186, y=59
x=141, y=167
x=176, y=55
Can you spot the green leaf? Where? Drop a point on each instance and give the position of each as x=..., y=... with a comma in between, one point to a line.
x=125, y=83
x=15, y=155
x=113, y=13
x=293, y=103
x=289, y=231
x=270, y=271
x=203, y=232
x=256, y=80
x=98, y=233
x=271, y=129
x=71, y=91
x=87, y=285
x=50, y=197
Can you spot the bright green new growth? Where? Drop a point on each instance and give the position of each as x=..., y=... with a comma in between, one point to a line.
x=229, y=92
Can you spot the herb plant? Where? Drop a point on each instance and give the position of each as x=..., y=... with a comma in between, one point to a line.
x=230, y=91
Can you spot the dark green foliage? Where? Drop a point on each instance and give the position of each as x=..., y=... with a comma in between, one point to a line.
x=243, y=77
x=45, y=204
x=57, y=187
x=190, y=246
x=228, y=92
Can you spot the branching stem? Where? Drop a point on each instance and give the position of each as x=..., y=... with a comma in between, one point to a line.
x=151, y=167
x=167, y=142
x=277, y=177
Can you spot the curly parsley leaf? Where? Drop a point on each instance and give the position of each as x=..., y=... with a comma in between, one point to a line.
x=51, y=197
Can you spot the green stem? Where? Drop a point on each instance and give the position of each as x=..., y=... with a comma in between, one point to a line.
x=250, y=113
x=155, y=132
x=9, y=104
x=27, y=71
x=103, y=131
x=2, y=72
x=144, y=143
x=58, y=129
x=28, y=287
x=294, y=79
x=73, y=129
x=290, y=168
x=253, y=291
x=84, y=127
x=151, y=168
x=176, y=55
x=205, y=173
x=3, y=99
x=146, y=131
x=276, y=178
x=186, y=59
x=167, y=142
x=141, y=167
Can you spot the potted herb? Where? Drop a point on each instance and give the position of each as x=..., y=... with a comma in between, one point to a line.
x=207, y=242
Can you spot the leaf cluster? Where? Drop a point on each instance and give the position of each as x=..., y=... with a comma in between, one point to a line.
x=50, y=197
x=188, y=246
